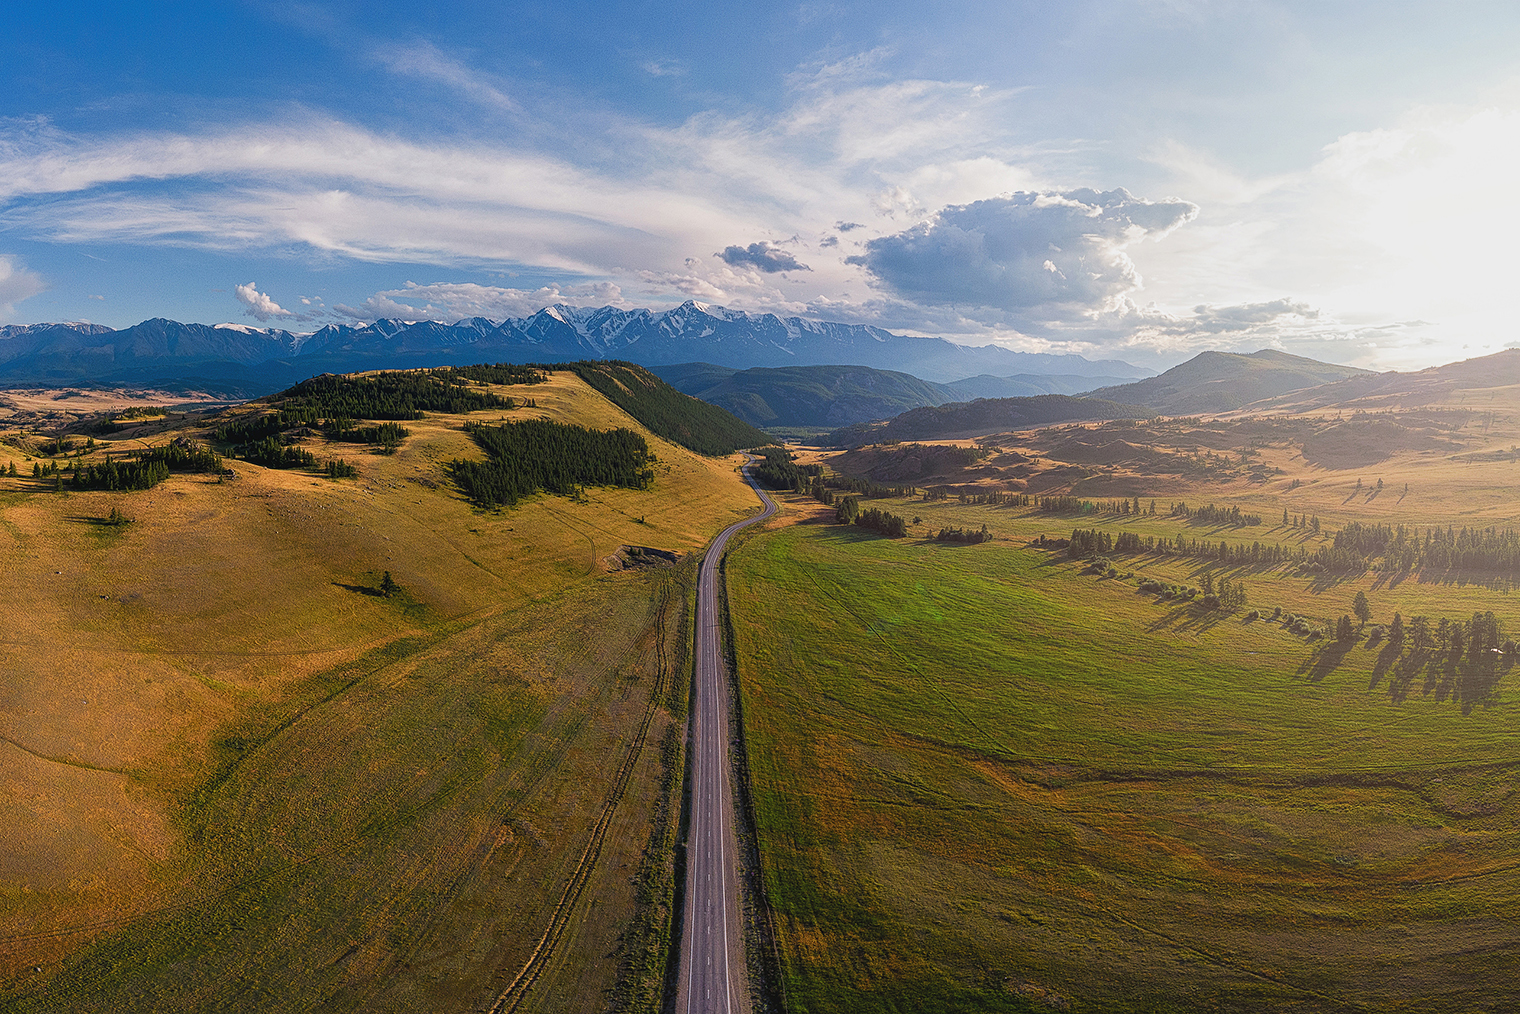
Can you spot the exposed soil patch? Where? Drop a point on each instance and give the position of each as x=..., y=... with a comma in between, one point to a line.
x=641, y=558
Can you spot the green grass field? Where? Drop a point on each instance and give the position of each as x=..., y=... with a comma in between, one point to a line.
x=984, y=780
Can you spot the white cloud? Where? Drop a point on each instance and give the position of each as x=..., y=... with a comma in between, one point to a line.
x=17, y=282
x=1030, y=254
x=426, y=62
x=256, y=304
x=663, y=68
x=450, y=301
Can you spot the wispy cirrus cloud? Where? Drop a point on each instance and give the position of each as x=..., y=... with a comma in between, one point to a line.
x=422, y=60
x=451, y=301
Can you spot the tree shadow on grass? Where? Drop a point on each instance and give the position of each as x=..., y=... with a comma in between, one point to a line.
x=1188, y=617
x=1325, y=659
x=85, y=519
x=1385, y=660
x=361, y=589
x=1404, y=671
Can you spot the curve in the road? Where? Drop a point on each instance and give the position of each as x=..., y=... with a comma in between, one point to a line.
x=711, y=974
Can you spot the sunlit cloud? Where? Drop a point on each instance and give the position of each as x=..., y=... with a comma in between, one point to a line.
x=258, y=305
x=17, y=282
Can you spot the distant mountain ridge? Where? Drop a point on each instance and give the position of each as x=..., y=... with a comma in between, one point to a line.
x=834, y=395
x=259, y=359
x=1224, y=381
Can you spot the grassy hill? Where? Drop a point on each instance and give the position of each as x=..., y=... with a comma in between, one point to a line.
x=239, y=777
x=985, y=415
x=1223, y=381
x=806, y=395
x=834, y=396
x=1436, y=385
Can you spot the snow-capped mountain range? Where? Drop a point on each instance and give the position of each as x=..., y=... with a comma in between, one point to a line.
x=249, y=359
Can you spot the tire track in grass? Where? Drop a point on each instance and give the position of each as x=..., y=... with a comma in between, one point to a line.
x=544, y=763
x=511, y=998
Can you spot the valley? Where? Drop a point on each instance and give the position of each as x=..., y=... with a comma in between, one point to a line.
x=1028, y=774
x=377, y=697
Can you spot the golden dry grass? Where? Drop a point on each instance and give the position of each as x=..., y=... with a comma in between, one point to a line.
x=131, y=651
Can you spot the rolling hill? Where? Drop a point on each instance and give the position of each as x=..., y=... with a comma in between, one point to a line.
x=280, y=740
x=983, y=416
x=1224, y=381
x=832, y=396
x=1391, y=389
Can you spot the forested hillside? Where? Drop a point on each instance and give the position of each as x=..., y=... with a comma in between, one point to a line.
x=679, y=418
x=985, y=415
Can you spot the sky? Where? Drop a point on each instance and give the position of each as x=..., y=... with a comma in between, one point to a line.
x=1132, y=179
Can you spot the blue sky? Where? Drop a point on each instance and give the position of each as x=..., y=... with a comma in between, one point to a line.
x=1133, y=179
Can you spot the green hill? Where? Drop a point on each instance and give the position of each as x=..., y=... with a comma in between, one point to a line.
x=1223, y=381
x=680, y=418
x=841, y=395
x=985, y=415
x=806, y=395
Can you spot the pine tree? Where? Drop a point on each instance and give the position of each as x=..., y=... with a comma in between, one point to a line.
x=1343, y=629
x=388, y=585
x=1362, y=608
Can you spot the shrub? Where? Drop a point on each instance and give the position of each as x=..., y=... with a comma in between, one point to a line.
x=1254, y=614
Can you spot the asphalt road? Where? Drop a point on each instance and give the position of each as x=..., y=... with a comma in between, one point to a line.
x=712, y=952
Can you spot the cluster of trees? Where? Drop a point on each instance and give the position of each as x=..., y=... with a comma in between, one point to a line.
x=970, y=535
x=250, y=428
x=777, y=470
x=868, y=488
x=395, y=394
x=497, y=373
x=386, y=434
x=1064, y=505
x=341, y=469
x=1479, y=638
x=1209, y=514
x=990, y=499
x=523, y=458
x=1228, y=595
x=271, y=453
x=666, y=412
x=144, y=470
x=1405, y=549
x=334, y=402
x=1087, y=542
x=847, y=512
x=1301, y=520
x=1240, y=554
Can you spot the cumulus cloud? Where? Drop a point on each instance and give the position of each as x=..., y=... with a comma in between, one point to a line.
x=1031, y=254
x=447, y=302
x=256, y=304
x=17, y=282
x=1245, y=316
x=761, y=255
